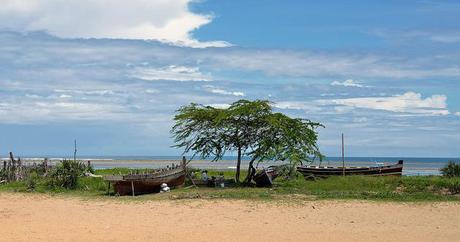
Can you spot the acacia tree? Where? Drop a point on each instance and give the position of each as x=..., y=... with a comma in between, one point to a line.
x=283, y=138
x=249, y=128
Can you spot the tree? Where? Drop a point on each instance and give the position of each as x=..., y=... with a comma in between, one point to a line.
x=249, y=128
x=284, y=138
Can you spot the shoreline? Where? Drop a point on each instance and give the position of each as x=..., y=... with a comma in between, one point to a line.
x=410, y=168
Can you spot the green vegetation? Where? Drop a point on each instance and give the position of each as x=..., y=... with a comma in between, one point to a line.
x=452, y=169
x=417, y=188
x=66, y=174
x=248, y=128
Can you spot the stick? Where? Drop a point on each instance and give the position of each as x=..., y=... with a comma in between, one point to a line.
x=75, y=151
x=343, y=157
x=184, y=163
x=12, y=169
x=108, y=189
x=132, y=187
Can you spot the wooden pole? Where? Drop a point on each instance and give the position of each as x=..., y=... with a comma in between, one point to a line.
x=12, y=170
x=184, y=166
x=132, y=187
x=45, y=165
x=75, y=151
x=343, y=157
x=108, y=188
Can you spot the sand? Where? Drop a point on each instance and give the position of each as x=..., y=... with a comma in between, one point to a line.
x=25, y=217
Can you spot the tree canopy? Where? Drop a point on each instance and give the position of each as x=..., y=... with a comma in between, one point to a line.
x=249, y=128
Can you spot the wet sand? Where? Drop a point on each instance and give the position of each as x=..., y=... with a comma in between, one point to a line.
x=25, y=217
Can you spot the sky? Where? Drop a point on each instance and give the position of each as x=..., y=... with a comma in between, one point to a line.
x=112, y=73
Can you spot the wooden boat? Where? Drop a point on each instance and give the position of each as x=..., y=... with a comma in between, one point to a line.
x=265, y=177
x=135, y=184
x=325, y=171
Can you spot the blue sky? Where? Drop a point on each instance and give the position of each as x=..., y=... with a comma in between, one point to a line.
x=386, y=73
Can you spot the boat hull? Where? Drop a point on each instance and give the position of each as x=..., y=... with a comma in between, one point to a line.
x=148, y=185
x=312, y=171
x=265, y=177
x=135, y=184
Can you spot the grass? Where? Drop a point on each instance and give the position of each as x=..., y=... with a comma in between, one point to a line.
x=417, y=188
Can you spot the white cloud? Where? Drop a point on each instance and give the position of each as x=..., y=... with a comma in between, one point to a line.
x=347, y=83
x=457, y=113
x=440, y=37
x=28, y=111
x=172, y=73
x=409, y=102
x=169, y=21
x=298, y=105
x=303, y=63
x=447, y=38
x=84, y=92
x=152, y=91
x=220, y=91
x=219, y=105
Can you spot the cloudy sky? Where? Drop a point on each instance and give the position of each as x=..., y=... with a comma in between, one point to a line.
x=111, y=73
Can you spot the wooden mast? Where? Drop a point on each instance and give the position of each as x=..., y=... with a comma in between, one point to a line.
x=75, y=150
x=343, y=157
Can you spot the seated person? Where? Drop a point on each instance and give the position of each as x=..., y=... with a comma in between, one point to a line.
x=204, y=176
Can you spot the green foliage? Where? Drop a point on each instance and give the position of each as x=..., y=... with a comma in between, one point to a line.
x=38, y=169
x=92, y=184
x=416, y=188
x=452, y=169
x=2, y=175
x=198, y=130
x=368, y=187
x=249, y=128
x=66, y=174
x=32, y=181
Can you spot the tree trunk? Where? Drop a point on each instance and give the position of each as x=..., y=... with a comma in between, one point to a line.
x=251, y=172
x=238, y=166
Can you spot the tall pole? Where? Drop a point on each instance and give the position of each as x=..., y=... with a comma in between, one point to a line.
x=75, y=151
x=343, y=157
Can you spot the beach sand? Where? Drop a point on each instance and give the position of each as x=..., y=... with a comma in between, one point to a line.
x=30, y=217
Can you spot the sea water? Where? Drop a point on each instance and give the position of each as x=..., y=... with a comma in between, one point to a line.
x=412, y=165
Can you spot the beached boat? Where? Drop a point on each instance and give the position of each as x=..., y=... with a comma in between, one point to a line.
x=325, y=171
x=134, y=184
x=265, y=177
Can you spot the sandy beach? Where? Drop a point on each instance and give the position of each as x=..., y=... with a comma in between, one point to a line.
x=25, y=217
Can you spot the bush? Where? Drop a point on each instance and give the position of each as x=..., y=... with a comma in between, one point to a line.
x=66, y=174
x=31, y=181
x=452, y=169
x=2, y=175
x=454, y=187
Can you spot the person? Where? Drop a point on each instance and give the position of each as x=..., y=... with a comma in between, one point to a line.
x=204, y=176
x=212, y=181
x=221, y=180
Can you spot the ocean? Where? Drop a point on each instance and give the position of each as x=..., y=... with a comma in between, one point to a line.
x=412, y=165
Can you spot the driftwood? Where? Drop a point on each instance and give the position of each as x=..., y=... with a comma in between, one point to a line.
x=17, y=170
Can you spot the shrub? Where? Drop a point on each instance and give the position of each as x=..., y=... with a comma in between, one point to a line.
x=2, y=175
x=31, y=181
x=454, y=187
x=89, y=168
x=452, y=169
x=66, y=174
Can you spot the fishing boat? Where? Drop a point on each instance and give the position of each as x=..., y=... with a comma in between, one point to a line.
x=325, y=171
x=265, y=177
x=135, y=184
